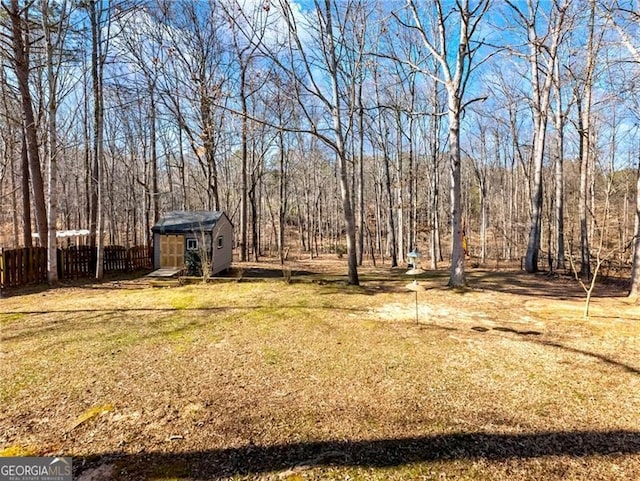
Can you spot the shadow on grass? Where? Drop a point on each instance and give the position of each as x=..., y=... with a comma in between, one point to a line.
x=187, y=309
x=263, y=273
x=506, y=329
x=111, y=281
x=383, y=453
x=600, y=357
x=99, y=316
x=541, y=285
x=385, y=280
x=516, y=331
x=527, y=334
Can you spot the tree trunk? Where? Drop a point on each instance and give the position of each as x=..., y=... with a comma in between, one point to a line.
x=26, y=197
x=244, y=219
x=413, y=188
x=585, y=257
x=155, y=199
x=435, y=184
x=453, y=74
x=97, y=64
x=391, y=229
x=635, y=269
x=21, y=64
x=541, y=98
x=282, y=199
x=393, y=251
x=586, y=149
x=533, y=247
x=457, y=275
x=52, y=136
x=559, y=170
x=347, y=208
x=361, y=216
x=400, y=191
x=14, y=199
x=483, y=222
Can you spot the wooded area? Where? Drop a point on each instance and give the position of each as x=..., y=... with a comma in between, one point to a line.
x=358, y=127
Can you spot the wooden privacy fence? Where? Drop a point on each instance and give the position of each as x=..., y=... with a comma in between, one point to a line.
x=19, y=267
x=23, y=266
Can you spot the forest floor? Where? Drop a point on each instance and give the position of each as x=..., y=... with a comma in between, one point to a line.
x=314, y=379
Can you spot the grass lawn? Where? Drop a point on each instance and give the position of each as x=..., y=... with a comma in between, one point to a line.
x=319, y=380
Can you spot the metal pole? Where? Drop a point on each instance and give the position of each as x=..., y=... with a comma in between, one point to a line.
x=416, y=305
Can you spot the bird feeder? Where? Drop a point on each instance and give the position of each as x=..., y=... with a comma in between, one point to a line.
x=414, y=262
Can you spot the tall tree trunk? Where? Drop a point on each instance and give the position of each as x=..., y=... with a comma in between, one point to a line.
x=88, y=220
x=244, y=218
x=52, y=134
x=391, y=228
x=454, y=76
x=208, y=141
x=635, y=269
x=457, y=275
x=480, y=167
x=413, y=187
x=393, y=249
x=535, y=226
x=361, y=216
x=26, y=197
x=347, y=205
x=282, y=199
x=13, y=127
x=21, y=64
x=155, y=199
x=483, y=221
x=182, y=171
x=583, y=129
x=541, y=79
x=586, y=148
x=400, y=190
x=559, y=169
x=14, y=199
x=434, y=137
x=97, y=64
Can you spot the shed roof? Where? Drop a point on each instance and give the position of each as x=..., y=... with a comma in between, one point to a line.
x=185, y=222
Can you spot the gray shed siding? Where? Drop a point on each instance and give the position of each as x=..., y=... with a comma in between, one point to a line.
x=222, y=256
x=222, y=232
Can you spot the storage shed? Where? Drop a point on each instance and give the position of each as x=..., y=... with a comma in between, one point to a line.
x=180, y=233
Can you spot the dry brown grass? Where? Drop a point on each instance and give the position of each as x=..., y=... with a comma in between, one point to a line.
x=318, y=380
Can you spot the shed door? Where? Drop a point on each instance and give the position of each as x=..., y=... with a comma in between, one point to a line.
x=171, y=251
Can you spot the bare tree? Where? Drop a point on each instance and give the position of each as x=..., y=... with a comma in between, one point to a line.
x=16, y=164
x=142, y=38
x=20, y=43
x=455, y=71
x=100, y=23
x=480, y=163
x=195, y=85
x=635, y=267
x=316, y=74
x=245, y=55
x=54, y=28
x=583, y=92
x=616, y=14
x=382, y=141
x=543, y=48
x=559, y=121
